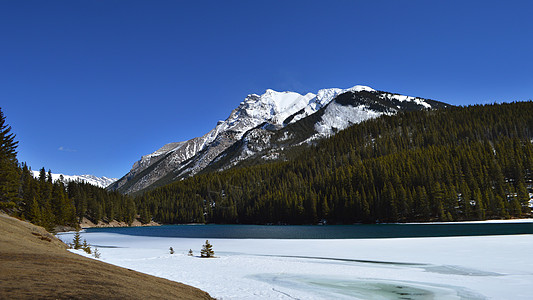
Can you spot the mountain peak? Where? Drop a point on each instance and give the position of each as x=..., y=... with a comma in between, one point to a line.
x=256, y=119
x=275, y=107
x=360, y=88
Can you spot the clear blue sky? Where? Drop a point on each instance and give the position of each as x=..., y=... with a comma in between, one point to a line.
x=90, y=86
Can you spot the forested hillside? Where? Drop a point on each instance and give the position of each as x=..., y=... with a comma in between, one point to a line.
x=50, y=203
x=47, y=203
x=459, y=163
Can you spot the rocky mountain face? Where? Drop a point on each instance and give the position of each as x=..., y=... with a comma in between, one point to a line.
x=266, y=127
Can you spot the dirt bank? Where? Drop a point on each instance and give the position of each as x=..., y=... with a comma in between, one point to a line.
x=86, y=223
x=34, y=264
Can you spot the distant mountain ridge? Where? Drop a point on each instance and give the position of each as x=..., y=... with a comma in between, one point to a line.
x=264, y=127
x=91, y=179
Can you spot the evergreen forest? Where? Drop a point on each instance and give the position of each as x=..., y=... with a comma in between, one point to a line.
x=453, y=164
x=459, y=163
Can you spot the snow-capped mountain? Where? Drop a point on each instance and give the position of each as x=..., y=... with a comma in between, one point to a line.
x=91, y=179
x=250, y=128
x=347, y=108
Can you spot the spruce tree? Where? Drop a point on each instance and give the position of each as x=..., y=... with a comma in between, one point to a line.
x=9, y=169
x=523, y=196
x=207, y=250
x=86, y=247
x=76, y=242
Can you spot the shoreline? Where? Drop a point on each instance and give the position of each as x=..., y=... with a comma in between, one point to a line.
x=86, y=223
x=502, y=221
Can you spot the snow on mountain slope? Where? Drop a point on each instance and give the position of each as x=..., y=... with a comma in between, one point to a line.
x=338, y=117
x=259, y=115
x=348, y=107
x=271, y=107
x=357, y=107
x=323, y=97
x=91, y=179
x=402, y=98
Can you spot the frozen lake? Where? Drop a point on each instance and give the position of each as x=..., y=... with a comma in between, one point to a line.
x=467, y=267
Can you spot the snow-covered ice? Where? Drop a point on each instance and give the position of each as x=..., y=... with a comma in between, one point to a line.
x=480, y=267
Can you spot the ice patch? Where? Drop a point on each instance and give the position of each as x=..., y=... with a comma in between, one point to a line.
x=457, y=270
x=340, y=288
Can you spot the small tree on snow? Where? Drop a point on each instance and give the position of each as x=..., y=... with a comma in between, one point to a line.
x=86, y=247
x=76, y=242
x=190, y=252
x=171, y=250
x=207, y=250
x=96, y=254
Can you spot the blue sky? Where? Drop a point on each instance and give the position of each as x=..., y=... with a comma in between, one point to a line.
x=91, y=86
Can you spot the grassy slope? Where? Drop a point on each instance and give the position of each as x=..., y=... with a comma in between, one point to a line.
x=35, y=264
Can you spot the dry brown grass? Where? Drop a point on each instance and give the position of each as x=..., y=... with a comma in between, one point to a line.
x=34, y=264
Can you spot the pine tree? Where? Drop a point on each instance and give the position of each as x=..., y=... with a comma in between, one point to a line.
x=480, y=207
x=207, y=250
x=76, y=242
x=33, y=213
x=516, y=209
x=523, y=196
x=45, y=195
x=86, y=247
x=9, y=170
